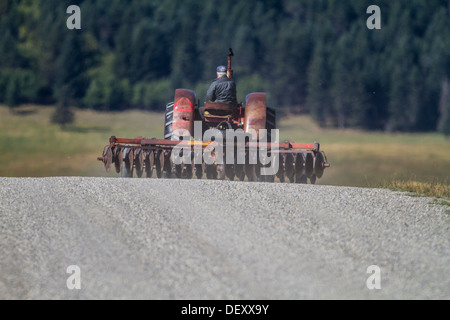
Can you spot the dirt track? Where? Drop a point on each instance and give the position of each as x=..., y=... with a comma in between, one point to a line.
x=178, y=239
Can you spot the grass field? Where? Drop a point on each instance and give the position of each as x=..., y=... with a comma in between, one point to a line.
x=31, y=146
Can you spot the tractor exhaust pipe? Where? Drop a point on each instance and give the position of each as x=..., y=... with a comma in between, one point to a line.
x=229, y=70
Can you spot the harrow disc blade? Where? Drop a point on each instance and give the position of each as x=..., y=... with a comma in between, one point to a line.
x=167, y=169
x=300, y=176
x=258, y=172
x=309, y=165
x=127, y=164
x=149, y=162
x=188, y=171
x=221, y=169
x=177, y=169
x=280, y=173
x=118, y=159
x=159, y=163
x=139, y=162
x=211, y=171
x=250, y=166
x=268, y=178
x=199, y=167
x=250, y=172
x=107, y=158
x=319, y=162
x=229, y=171
x=226, y=171
x=289, y=168
x=268, y=167
x=239, y=171
x=199, y=171
x=189, y=168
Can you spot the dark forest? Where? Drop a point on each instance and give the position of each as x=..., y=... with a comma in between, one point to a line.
x=310, y=56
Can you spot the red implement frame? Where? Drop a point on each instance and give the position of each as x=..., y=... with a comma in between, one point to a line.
x=144, y=143
x=157, y=152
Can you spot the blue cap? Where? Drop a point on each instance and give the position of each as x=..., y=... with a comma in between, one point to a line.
x=221, y=69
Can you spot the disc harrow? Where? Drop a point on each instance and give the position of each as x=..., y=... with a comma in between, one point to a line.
x=141, y=157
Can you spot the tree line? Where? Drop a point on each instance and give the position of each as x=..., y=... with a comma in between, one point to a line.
x=311, y=56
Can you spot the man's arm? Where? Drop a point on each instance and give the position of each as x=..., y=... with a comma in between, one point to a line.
x=210, y=94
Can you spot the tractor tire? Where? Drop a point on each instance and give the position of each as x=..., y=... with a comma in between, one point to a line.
x=271, y=122
x=168, y=120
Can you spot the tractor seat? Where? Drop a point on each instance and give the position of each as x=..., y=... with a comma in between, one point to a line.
x=218, y=109
x=209, y=115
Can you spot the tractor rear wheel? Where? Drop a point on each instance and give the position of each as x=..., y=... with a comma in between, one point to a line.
x=270, y=122
x=168, y=120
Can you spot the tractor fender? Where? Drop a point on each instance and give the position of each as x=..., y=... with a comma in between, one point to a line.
x=255, y=112
x=183, y=112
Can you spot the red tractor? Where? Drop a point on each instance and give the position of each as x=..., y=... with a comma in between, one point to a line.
x=186, y=123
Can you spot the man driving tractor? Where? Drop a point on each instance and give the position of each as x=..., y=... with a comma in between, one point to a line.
x=223, y=89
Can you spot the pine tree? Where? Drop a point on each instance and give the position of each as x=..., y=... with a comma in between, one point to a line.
x=70, y=68
x=319, y=100
x=70, y=81
x=290, y=67
x=12, y=95
x=435, y=67
x=389, y=78
x=444, y=107
x=63, y=115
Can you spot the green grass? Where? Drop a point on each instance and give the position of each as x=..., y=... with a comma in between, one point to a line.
x=372, y=159
x=442, y=203
x=438, y=190
x=30, y=146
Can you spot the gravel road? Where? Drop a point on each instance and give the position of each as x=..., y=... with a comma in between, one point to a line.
x=203, y=239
